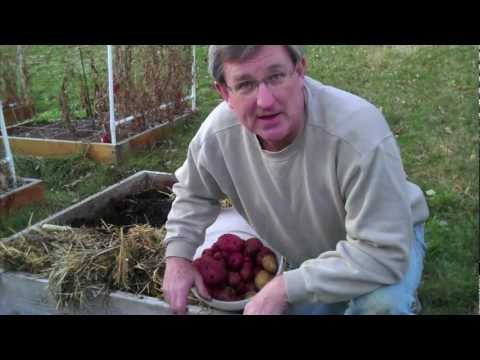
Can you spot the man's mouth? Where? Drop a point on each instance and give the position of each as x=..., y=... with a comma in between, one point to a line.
x=268, y=117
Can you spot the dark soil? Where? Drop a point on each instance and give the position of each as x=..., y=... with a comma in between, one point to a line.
x=57, y=131
x=148, y=207
x=84, y=131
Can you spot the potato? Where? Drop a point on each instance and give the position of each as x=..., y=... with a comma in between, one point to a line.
x=269, y=263
x=207, y=252
x=230, y=243
x=257, y=269
x=241, y=289
x=235, y=261
x=252, y=247
x=263, y=252
x=250, y=286
x=213, y=272
x=246, y=272
x=234, y=279
x=262, y=278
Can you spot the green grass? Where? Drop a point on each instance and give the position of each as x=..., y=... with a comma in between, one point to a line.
x=46, y=66
x=429, y=97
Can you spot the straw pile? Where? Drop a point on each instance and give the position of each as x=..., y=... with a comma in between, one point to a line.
x=83, y=263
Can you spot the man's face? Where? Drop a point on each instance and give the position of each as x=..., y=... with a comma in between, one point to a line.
x=274, y=110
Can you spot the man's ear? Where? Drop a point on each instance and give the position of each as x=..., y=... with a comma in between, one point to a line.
x=302, y=67
x=222, y=90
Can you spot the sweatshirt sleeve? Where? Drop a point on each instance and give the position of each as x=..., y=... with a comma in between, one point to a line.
x=379, y=231
x=196, y=205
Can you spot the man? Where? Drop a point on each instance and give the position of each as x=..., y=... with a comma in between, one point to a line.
x=317, y=173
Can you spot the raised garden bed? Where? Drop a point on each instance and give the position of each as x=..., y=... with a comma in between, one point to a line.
x=34, y=141
x=125, y=202
x=28, y=191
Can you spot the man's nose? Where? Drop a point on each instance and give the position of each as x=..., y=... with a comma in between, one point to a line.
x=265, y=97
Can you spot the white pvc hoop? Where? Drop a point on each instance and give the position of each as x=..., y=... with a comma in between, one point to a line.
x=6, y=145
x=113, y=132
x=194, y=80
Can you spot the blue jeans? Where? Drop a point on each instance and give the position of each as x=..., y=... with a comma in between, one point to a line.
x=396, y=299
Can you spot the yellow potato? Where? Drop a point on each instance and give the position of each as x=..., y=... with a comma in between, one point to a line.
x=269, y=263
x=262, y=278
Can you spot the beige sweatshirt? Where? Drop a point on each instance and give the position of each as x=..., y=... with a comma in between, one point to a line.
x=336, y=202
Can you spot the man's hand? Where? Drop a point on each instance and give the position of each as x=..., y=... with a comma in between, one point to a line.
x=180, y=276
x=271, y=300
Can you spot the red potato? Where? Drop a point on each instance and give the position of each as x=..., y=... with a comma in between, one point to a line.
x=252, y=247
x=219, y=259
x=241, y=289
x=246, y=272
x=218, y=255
x=235, y=261
x=230, y=243
x=251, y=286
x=208, y=252
x=214, y=272
x=234, y=279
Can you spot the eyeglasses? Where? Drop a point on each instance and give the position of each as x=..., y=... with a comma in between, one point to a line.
x=247, y=88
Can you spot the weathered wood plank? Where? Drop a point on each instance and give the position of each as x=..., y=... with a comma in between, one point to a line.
x=25, y=294
x=29, y=193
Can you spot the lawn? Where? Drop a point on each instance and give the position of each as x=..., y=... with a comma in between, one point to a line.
x=429, y=96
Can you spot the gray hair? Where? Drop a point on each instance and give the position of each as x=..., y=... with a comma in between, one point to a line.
x=218, y=54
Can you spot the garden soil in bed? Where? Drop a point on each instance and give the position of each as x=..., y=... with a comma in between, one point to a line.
x=58, y=131
x=84, y=131
x=148, y=207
